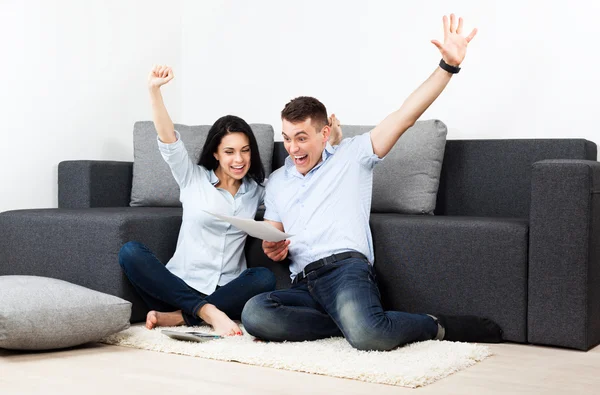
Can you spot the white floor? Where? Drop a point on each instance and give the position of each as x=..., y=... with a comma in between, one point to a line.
x=103, y=369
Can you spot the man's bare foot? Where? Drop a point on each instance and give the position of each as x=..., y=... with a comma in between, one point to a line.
x=156, y=318
x=221, y=324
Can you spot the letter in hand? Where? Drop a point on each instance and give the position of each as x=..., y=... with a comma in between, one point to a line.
x=159, y=76
x=454, y=48
x=276, y=250
x=335, y=137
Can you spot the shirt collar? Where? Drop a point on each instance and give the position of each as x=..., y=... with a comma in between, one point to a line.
x=290, y=167
x=214, y=180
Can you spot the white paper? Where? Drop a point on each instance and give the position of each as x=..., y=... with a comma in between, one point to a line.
x=259, y=229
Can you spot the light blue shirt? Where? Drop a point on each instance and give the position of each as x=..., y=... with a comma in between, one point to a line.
x=209, y=251
x=327, y=210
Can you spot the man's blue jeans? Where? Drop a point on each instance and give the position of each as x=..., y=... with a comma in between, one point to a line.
x=164, y=291
x=339, y=299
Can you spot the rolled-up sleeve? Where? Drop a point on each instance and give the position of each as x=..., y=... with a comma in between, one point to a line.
x=177, y=157
x=367, y=157
x=359, y=148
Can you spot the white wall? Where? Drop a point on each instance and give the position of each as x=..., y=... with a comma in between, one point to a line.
x=530, y=72
x=73, y=83
x=74, y=72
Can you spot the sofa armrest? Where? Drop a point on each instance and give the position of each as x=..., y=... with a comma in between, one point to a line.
x=81, y=246
x=87, y=184
x=564, y=254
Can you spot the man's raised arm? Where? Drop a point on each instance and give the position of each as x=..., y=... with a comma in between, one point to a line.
x=454, y=48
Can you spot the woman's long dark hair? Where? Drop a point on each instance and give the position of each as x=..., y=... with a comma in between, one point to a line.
x=231, y=124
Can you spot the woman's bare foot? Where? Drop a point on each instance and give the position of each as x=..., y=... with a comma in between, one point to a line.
x=156, y=318
x=221, y=324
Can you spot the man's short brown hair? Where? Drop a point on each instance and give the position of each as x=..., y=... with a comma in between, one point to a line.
x=304, y=107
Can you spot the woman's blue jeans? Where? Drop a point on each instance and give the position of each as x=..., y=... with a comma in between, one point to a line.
x=164, y=291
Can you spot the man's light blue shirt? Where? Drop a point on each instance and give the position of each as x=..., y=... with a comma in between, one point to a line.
x=327, y=210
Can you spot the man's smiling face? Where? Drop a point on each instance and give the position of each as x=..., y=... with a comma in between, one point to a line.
x=305, y=143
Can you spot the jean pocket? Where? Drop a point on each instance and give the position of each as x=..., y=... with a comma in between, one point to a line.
x=372, y=273
x=322, y=271
x=373, y=279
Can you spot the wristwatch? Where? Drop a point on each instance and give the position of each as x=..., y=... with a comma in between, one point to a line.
x=448, y=68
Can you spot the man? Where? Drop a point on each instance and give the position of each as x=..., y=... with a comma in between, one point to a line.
x=323, y=196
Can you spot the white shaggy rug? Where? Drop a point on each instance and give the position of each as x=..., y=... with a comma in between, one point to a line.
x=414, y=365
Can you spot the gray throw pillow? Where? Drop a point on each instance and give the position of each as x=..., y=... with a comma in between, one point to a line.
x=39, y=313
x=153, y=184
x=407, y=180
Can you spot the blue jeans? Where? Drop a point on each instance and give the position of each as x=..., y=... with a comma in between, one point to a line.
x=164, y=291
x=340, y=299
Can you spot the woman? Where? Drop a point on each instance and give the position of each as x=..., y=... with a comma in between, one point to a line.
x=205, y=279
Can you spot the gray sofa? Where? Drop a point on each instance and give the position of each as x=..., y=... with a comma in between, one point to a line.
x=516, y=238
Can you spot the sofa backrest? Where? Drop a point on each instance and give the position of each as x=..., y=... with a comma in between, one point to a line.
x=490, y=178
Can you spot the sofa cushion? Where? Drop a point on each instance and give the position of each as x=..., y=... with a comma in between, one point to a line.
x=153, y=184
x=39, y=313
x=407, y=180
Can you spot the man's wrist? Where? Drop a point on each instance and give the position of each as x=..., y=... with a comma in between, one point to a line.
x=449, y=68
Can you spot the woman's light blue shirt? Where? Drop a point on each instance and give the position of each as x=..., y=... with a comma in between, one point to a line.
x=209, y=251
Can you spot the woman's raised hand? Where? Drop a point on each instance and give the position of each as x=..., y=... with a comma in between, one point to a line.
x=159, y=75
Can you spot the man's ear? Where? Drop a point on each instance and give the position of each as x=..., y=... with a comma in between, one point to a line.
x=326, y=133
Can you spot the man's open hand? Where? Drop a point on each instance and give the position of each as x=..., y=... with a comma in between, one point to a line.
x=454, y=47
